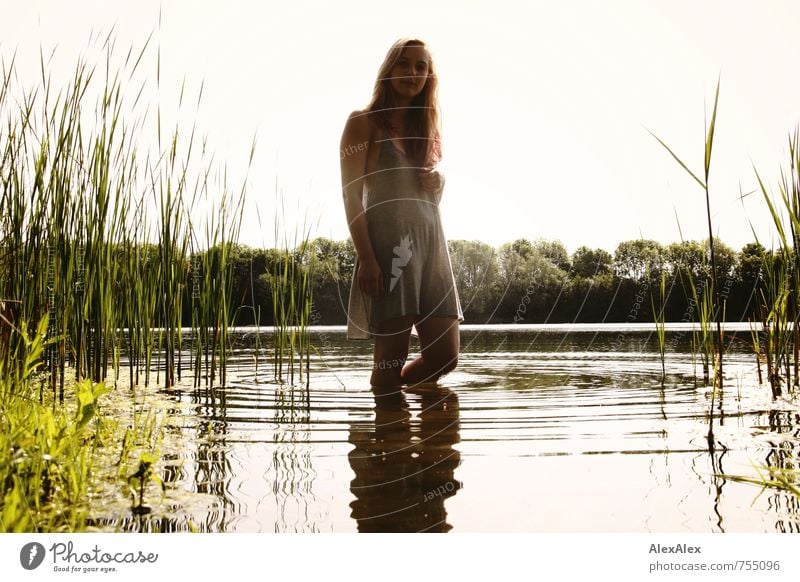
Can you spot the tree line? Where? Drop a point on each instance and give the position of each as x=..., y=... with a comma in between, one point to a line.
x=523, y=281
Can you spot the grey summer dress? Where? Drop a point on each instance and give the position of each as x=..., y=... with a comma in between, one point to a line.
x=405, y=229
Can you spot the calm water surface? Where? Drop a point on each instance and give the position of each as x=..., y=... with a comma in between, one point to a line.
x=557, y=428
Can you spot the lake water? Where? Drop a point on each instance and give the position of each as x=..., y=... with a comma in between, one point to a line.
x=541, y=428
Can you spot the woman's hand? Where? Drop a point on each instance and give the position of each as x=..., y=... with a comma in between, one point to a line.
x=370, y=277
x=432, y=183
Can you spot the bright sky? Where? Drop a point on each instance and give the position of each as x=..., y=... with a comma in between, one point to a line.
x=545, y=104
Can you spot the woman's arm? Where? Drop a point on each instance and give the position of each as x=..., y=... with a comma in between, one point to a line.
x=354, y=148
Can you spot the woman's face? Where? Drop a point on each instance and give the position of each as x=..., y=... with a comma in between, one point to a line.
x=410, y=72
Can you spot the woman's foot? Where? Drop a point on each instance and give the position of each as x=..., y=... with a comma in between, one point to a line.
x=420, y=387
x=386, y=391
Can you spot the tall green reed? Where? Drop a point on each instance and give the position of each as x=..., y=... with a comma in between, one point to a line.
x=778, y=294
x=292, y=299
x=714, y=300
x=212, y=312
x=658, y=309
x=78, y=197
x=97, y=237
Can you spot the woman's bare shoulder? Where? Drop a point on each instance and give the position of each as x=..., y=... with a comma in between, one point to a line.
x=360, y=124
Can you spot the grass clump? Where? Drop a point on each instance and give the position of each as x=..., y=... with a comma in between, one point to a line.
x=46, y=453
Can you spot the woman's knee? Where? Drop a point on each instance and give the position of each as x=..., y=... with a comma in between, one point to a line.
x=442, y=363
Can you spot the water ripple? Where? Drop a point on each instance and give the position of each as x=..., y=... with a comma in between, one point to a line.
x=538, y=429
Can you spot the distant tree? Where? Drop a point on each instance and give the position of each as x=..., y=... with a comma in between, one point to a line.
x=514, y=262
x=530, y=283
x=249, y=264
x=555, y=251
x=522, y=247
x=725, y=259
x=331, y=270
x=476, y=272
x=751, y=265
x=693, y=257
x=322, y=266
x=337, y=256
x=635, y=258
x=590, y=299
x=587, y=262
x=686, y=257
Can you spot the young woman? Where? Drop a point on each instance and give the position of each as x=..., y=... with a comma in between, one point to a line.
x=403, y=276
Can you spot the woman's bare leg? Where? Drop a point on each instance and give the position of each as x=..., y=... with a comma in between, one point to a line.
x=439, y=343
x=391, y=352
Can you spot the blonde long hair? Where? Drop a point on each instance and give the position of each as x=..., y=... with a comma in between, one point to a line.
x=423, y=115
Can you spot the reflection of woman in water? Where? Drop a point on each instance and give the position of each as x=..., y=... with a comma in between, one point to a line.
x=401, y=481
x=403, y=276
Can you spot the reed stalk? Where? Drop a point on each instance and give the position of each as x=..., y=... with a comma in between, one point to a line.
x=713, y=301
x=75, y=200
x=292, y=299
x=100, y=250
x=778, y=302
x=659, y=318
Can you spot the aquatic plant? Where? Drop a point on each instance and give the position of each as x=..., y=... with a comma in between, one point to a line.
x=292, y=299
x=659, y=318
x=778, y=295
x=137, y=482
x=713, y=302
x=98, y=245
x=46, y=455
x=99, y=232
